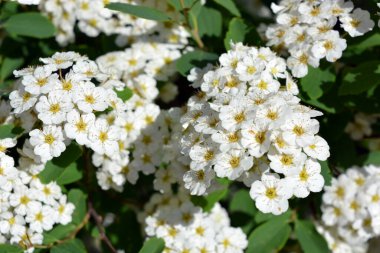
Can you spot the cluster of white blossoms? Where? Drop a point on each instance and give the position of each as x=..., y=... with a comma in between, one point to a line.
x=71, y=98
x=306, y=31
x=186, y=228
x=146, y=130
x=92, y=18
x=27, y=207
x=351, y=209
x=245, y=125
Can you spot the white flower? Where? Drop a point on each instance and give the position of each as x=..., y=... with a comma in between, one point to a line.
x=234, y=115
x=286, y=162
x=329, y=46
x=47, y=143
x=232, y=164
x=7, y=143
x=203, y=156
x=22, y=100
x=306, y=179
x=318, y=149
x=42, y=81
x=298, y=62
x=40, y=218
x=90, y=98
x=231, y=240
x=61, y=60
x=64, y=211
x=271, y=194
x=53, y=108
x=104, y=138
x=77, y=126
x=256, y=138
x=357, y=23
x=300, y=130
x=198, y=181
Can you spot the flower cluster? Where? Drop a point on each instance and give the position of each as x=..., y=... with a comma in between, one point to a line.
x=245, y=125
x=142, y=65
x=28, y=207
x=92, y=18
x=351, y=208
x=149, y=131
x=72, y=98
x=361, y=126
x=306, y=30
x=186, y=228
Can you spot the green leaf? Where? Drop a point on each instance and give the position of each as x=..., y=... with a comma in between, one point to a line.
x=373, y=158
x=269, y=237
x=153, y=245
x=8, y=9
x=78, y=198
x=361, y=78
x=196, y=58
x=71, y=246
x=311, y=241
x=139, y=11
x=125, y=94
x=70, y=175
x=57, y=233
x=230, y=6
x=261, y=217
x=315, y=79
x=209, y=22
x=326, y=172
x=9, y=131
x=6, y=248
x=208, y=202
x=242, y=203
x=8, y=65
x=368, y=42
x=30, y=24
x=63, y=169
x=237, y=30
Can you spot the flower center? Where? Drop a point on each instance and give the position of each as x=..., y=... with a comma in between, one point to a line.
x=89, y=99
x=41, y=82
x=240, y=117
x=260, y=137
x=303, y=175
x=103, y=136
x=200, y=175
x=26, y=96
x=355, y=23
x=234, y=161
x=54, y=108
x=298, y=130
x=81, y=126
x=49, y=139
x=286, y=160
x=271, y=193
x=251, y=70
x=209, y=155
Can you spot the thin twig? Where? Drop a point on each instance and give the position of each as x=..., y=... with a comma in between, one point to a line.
x=98, y=220
x=194, y=30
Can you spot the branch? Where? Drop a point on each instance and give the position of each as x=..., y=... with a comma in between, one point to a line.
x=195, y=30
x=98, y=220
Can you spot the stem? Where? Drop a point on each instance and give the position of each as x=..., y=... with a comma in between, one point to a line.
x=98, y=220
x=195, y=30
